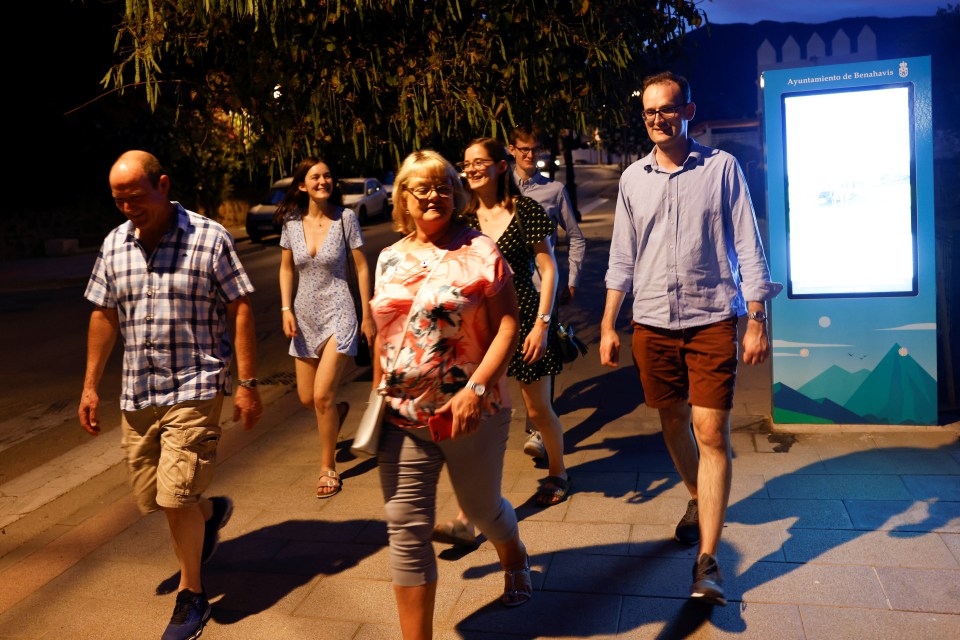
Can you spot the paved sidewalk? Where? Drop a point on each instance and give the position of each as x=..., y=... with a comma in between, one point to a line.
x=830, y=533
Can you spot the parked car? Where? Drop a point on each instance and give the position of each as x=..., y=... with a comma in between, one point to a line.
x=366, y=196
x=260, y=216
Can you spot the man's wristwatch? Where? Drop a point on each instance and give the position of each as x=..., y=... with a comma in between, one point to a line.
x=477, y=388
x=759, y=316
x=250, y=383
x=545, y=317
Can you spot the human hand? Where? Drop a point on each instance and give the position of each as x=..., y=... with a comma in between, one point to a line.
x=89, y=402
x=535, y=344
x=609, y=348
x=289, y=324
x=247, y=407
x=464, y=410
x=756, y=346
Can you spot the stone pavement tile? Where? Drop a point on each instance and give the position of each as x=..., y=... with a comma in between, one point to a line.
x=353, y=600
x=146, y=541
x=656, y=540
x=667, y=484
x=952, y=540
x=944, y=440
x=805, y=514
x=901, y=461
x=548, y=615
x=831, y=623
x=610, y=484
x=772, y=465
x=933, y=487
x=874, y=548
x=240, y=593
x=838, y=585
x=275, y=626
x=832, y=444
x=782, y=443
x=623, y=575
x=657, y=618
x=550, y=537
x=87, y=617
x=747, y=485
x=905, y=515
x=638, y=510
x=927, y=590
x=838, y=487
x=744, y=545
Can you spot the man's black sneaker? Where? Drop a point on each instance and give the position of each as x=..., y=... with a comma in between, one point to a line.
x=707, y=581
x=222, y=510
x=189, y=615
x=688, y=529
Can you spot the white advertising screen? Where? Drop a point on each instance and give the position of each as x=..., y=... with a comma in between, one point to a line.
x=850, y=191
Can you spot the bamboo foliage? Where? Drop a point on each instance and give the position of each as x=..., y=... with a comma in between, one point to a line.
x=378, y=78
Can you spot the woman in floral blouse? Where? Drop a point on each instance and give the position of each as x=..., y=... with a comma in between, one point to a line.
x=446, y=315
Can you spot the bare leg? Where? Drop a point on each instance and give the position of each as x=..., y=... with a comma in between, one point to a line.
x=186, y=531
x=317, y=381
x=536, y=397
x=712, y=430
x=415, y=607
x=675, y=422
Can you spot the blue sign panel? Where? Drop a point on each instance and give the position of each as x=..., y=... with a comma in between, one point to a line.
x=850, y=199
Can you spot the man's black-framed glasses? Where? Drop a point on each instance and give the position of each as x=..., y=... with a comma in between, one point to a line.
x=422, y=193
x=667, y=113
x=525, y=151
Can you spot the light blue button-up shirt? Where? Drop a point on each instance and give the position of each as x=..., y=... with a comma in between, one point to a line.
x=686, y=243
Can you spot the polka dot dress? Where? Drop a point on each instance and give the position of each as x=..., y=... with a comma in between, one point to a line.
x=529, y=225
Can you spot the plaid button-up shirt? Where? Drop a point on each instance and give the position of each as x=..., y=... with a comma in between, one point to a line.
x=172, y=307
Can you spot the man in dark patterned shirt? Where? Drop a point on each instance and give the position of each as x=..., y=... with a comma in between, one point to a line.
x=169, y=281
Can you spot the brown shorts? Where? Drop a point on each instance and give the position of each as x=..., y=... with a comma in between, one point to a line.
x=698, y=365
x=171, y=452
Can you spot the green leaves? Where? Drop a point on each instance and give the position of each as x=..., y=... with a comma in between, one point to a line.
x=367, y=81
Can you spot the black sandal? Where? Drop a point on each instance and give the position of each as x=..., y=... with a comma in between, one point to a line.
x=553, y=490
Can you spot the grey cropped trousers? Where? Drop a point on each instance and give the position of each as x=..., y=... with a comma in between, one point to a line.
x=410, y=463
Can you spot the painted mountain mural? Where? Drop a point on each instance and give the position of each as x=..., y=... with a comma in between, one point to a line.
x=897, y=391
x=791, y=406
x=835, y=383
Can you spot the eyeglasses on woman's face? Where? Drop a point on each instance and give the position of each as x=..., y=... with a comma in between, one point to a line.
x=480, y=164
x=422, y=192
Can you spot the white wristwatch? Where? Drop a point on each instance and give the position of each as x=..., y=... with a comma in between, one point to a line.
x=545, y=317
x=477, y=388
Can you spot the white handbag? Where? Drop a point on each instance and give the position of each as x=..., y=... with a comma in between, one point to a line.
x=367, y=438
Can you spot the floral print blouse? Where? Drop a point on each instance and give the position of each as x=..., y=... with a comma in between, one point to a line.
x=430, y=358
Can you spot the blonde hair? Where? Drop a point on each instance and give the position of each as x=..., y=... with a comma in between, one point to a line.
x=425, y=163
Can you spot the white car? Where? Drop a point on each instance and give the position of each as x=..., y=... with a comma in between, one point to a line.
x=260, y=216
x=366, y=196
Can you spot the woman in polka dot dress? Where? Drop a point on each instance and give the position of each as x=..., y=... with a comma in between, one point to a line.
x=520, y=228
x=321, y=323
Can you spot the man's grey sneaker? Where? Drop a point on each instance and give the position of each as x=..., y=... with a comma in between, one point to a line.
x=189, y=615
x=222, y=510
x=707, y=581
x=533, y=447
x=688, y=529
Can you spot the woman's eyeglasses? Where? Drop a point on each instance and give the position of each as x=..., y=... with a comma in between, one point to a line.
x=477, y=165
x=422, y=193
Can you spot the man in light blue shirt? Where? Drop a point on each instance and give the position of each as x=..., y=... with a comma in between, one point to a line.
x=685, y=244
x=553, y=197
